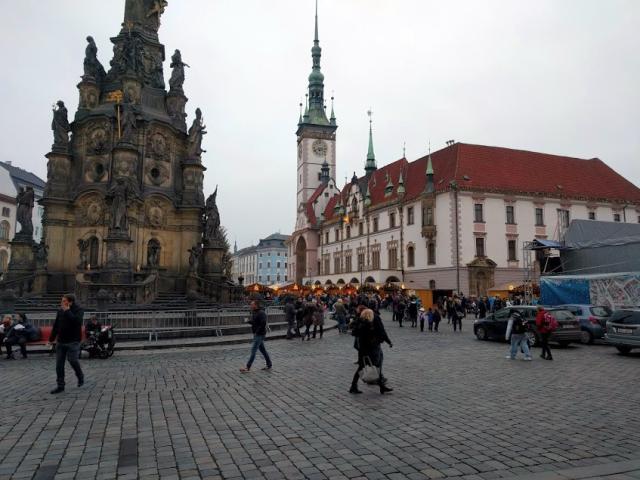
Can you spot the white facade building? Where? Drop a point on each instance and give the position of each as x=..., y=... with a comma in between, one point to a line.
x=245, y=265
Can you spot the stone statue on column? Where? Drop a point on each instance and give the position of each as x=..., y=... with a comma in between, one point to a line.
x=212, y=220
x=93, y=69
x=83, y=247
x=60, y=126
x=120, y=195
x=196, y=132
x=194, y=258
x=24, y=216
x=177, y=75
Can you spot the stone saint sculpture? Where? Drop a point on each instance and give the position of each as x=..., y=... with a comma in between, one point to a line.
x=24, y=215
x=41, y=253
x=83, y=246
x=156, y=11
x=177, y=75
x=60, y=126
x=119, y=194
x=196, y=132
x=153, y=254
x=194, y=257
x=212, y=219
x=129, y=119
x=93, y=69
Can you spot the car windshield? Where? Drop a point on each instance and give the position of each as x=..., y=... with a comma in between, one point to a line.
x=562, y=315
x=601, y=311
x=626, y=317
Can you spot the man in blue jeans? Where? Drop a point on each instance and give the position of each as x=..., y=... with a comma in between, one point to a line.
x=258, y=323
x=67, y=330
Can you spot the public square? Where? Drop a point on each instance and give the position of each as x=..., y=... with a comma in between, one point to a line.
x=459, y=410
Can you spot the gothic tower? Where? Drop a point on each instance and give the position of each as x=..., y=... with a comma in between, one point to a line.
x=316, y=133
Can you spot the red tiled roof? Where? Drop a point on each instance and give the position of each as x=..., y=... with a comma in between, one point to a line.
x=502, y=170
x=311, y=216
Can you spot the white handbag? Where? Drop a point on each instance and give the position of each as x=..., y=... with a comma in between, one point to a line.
x=370, y=373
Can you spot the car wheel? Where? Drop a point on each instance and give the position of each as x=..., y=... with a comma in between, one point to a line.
x=481, y=333
x=586, y=337
x=623, y=350
x=532, y=338
x=564, y=344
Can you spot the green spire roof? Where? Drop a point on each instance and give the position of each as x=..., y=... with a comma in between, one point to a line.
x=401, y=189
x=317, y=114
x=370, y=165
x=429, y=166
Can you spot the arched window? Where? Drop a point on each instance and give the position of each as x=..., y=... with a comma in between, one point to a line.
x=5, y=230
x=4, y=260
x=94, y=247
x=432, y=284
x=411, y=256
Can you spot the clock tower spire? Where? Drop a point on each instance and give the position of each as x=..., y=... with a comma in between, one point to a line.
x=316, y=133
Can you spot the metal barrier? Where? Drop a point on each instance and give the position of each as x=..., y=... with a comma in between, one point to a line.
x=155, y=323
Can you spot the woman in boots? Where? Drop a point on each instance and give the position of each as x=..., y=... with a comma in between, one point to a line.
x=370, y=335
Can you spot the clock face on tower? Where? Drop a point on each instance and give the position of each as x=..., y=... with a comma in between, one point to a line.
x=319, y=148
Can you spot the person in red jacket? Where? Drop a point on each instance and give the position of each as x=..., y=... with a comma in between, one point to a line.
x=545, y=332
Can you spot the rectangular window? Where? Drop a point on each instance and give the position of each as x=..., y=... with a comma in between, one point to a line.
x=428, y=216
x=511, y=215
x=480, y=247
x=431, y=253
x=361, y=261
x=268, y=264
x=285, y=264
x=361, y=228
x=393, y=258
x=260, y=266
x=337, y=234
x=327, y=264
x=539, y=217
x=375, y=224
x=563, y=218
x=286, y=278
x=347, y=263
x=592, y=215
x=478, y=216
x=511, y=244
x=348, y=231
x=616, y=217
x=375, y=260
x=410, y=219
x=326, y=237
x=268, y=278
x=336, y=265
x=278, y=265
x=6, y=212
x=278, y=278
x=392, y=220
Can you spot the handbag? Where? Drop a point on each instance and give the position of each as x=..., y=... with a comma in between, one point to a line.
x=370, y=373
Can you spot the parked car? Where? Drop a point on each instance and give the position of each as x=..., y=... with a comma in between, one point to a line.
x=623, y=330
x=592, y=318
x=494, y=326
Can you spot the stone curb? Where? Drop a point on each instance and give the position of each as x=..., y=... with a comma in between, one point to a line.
x=205, y=342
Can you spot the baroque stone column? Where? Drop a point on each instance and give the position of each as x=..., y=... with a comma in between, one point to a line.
x=58, y=174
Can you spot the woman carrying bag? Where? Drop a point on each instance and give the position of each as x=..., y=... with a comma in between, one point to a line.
x=370, y=335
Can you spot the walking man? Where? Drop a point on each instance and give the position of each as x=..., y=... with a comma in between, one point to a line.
x=517, y=328
x=67, y=330
x=258, y=323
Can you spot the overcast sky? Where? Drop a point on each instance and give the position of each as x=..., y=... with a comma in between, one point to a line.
x=552, y=76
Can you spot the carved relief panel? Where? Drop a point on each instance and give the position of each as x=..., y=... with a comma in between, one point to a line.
x=90, y=210
x=97, y=142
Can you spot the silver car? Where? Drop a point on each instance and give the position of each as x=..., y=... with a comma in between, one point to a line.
x=592, y=318
x=623, y=330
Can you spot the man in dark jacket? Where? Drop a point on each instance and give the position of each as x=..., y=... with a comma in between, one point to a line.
x=258, y=323
x=290, y=317
x=67, y=330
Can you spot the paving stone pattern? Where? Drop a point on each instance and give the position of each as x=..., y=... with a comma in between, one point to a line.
x=459, y=410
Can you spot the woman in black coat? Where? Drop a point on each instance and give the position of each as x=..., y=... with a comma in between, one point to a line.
x=370, y=334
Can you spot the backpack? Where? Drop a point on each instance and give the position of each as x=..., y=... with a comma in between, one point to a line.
x=550, y=322
x=519, y=325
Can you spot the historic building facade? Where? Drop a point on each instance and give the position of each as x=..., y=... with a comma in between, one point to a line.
x=245, y=265
x=266, y=263
x=455, y=220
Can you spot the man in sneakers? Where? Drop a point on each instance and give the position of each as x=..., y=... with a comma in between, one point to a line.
x=258, y=323
x=67, y=332
x=516, y=329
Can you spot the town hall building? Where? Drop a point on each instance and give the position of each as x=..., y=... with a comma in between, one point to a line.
x=454, y=220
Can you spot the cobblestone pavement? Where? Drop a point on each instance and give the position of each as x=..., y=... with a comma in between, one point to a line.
x=459, y=410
